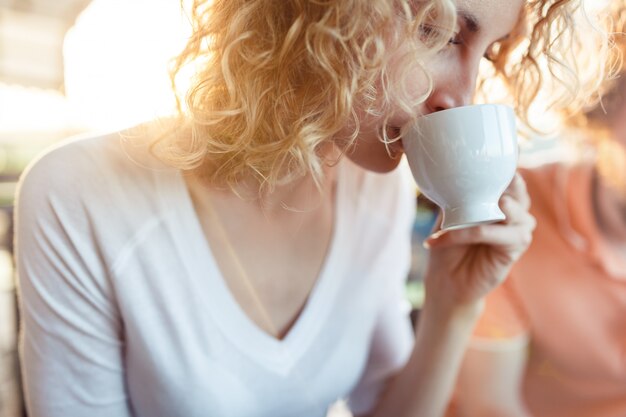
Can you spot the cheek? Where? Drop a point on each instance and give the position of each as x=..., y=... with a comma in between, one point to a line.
x=407, y=81
x=419, y=81
x=411, y=98
x=445, y=64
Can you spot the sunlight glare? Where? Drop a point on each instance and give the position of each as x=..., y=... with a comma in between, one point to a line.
x=116, y=59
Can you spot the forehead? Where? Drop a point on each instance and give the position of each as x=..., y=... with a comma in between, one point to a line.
x=495, y=17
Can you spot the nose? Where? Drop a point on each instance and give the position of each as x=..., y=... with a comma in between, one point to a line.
x=451, y=89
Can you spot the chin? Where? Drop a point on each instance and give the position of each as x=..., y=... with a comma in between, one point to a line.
x=379, y=165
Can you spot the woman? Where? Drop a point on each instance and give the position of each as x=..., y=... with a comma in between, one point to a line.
x=551, y=340
x=251, y=260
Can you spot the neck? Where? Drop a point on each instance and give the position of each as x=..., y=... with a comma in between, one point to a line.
x=298, y=195
x=295, y=195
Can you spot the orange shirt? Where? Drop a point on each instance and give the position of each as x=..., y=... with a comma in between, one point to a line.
x=568, y=294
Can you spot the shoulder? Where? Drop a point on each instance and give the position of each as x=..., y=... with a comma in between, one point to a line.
x=86, y=166
x=102, y=189
x=62, y=171
x=102, y=184
x=80, y=160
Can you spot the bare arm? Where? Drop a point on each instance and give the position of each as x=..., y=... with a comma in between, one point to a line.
x=424, y=386
x=465, y=265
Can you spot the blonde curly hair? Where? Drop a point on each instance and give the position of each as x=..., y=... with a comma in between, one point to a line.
x=275, y=79
x=591, y=129
x=597, y=116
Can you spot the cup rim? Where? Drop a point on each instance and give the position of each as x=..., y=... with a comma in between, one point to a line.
x=441, y=112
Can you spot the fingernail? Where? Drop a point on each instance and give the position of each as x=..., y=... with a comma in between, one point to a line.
x=425, y=244
x=437, y=234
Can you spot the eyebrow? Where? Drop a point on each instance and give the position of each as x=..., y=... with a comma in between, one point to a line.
x=471, y=22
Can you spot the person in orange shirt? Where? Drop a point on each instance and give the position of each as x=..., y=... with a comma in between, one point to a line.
x=552, y=338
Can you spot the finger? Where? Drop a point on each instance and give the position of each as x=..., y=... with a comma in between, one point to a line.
x=515, y=212
x=517, y=235
x=517, y=190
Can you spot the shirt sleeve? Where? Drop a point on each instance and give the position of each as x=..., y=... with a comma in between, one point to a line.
x=391, y=347
x=71, y=333
x=393, y=337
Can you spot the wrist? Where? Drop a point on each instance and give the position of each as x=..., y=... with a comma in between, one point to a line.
x=456, y=313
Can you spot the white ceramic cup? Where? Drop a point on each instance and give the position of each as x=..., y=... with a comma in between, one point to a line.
x=463, y=159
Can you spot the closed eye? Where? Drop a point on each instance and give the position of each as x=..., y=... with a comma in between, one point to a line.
x=429, y=32
x=456, y=40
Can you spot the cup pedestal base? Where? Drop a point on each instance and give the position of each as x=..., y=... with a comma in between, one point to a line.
x=462, y=217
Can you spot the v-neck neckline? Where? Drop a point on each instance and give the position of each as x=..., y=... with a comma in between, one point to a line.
x=229, y=316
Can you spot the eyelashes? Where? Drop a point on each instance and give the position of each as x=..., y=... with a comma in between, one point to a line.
x=456, y=40
x=429, y=33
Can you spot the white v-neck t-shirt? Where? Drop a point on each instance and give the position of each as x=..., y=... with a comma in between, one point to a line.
x=125, y=312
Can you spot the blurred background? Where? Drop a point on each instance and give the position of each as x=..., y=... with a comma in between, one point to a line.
x=69, y=67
